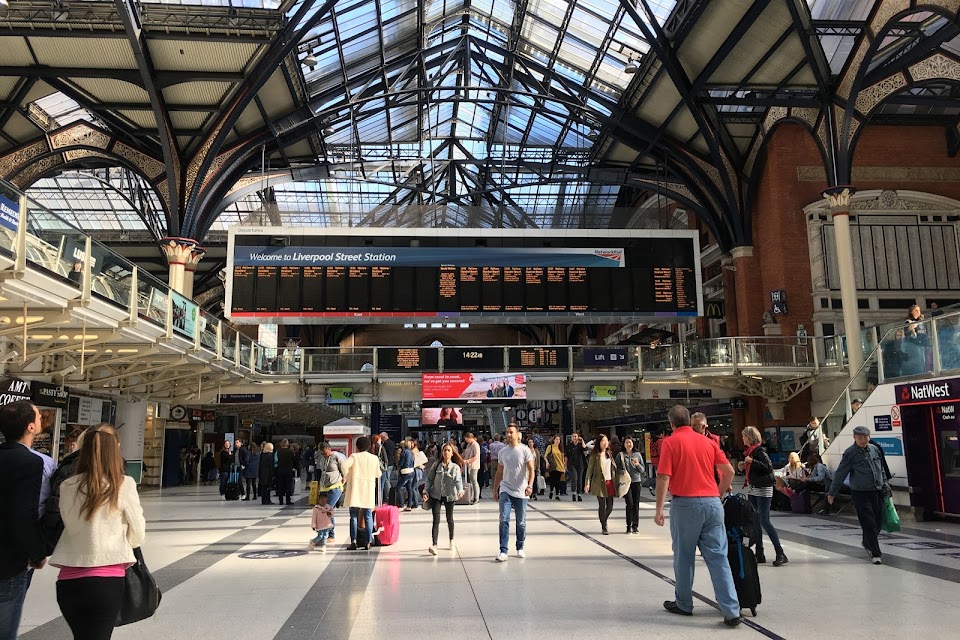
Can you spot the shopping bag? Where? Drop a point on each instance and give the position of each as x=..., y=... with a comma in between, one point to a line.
x=891, y=520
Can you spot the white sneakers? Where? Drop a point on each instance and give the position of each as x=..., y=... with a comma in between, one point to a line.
x=433, y=549
x=877, y=560
x=502, y=557
x=453, y=547
x=521, y=553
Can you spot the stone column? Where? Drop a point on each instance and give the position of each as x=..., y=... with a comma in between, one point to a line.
x=178, y=252
x=132, y=422
x=748, y=294
x=190, y=270
x=839, y=200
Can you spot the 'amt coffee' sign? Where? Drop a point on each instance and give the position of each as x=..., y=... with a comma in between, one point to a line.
x=928, y=392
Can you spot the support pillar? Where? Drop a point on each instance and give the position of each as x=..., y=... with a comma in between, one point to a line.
x=132, y=422
x=190, y=270
x=747, y=287
x=839, y=200
x=178, y=252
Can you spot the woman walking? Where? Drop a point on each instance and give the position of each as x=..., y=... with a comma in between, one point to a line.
x=406, y=488
x=251, y=472
x=758, y=470
x=537, y=466
x=361, y=474
x=556, y=466
x=103, y=523
x=266, y=472
x=600, y=479
x=443, y=487
x=631, y=461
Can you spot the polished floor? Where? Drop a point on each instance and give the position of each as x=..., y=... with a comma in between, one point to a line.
x=242, y=571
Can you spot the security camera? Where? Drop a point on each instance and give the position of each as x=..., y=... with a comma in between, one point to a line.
x=67, y=370
x=10, y=355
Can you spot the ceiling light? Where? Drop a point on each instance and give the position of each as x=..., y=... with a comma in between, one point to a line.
x=310, y=61
x=327, y=129
x=632, y=66
x=5, y=4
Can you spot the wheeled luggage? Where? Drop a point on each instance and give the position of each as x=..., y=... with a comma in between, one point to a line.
x=467, y=497
x=233, y=489
x=386, y=520
x=739, y=514
x=743, y=565
x=800, y=502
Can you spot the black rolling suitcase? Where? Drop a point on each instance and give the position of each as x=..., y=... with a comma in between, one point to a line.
x=233, y=489
x=743, y=565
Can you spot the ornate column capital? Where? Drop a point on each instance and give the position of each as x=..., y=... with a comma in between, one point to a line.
x=741, y=252
x=839, y=198
x=194, y=258
x=178, y=250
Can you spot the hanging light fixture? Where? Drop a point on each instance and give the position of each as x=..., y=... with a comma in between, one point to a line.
x=632, y=66
x=310, y=60
x=327, y=129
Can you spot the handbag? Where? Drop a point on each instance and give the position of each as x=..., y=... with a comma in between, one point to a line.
x=891, y=519
x=141, y=595
x=623, y=479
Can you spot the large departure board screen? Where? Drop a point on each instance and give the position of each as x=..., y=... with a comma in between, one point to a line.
x=303, y=276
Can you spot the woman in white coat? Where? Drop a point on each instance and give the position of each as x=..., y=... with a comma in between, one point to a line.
x=103, y=522
x=361, y=474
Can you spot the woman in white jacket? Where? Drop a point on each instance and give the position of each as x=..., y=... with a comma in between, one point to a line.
x=103, y=522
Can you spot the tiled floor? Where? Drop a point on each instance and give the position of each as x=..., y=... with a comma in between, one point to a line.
x=217, y=563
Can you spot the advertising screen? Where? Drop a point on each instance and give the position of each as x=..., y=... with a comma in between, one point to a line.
x=603, y=393
x=442, y=417
x=475, y=387
x=339, y=395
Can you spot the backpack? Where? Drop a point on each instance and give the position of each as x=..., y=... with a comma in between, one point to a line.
x=741, y=516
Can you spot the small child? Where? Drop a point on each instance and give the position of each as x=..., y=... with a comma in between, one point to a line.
x=322, y=522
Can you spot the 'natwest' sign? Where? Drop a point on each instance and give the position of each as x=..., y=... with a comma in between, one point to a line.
x=926, y=392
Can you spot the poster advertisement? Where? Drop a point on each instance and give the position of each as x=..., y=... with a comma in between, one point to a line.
x=474, y=387
x=184, y=315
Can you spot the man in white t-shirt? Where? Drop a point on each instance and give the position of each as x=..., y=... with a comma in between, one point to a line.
x=512, y=486
x=471, y=456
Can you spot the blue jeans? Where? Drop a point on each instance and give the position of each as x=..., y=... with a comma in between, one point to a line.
x=333, y=495
x=762, y=506
x=407, y=487
x=13, y=591
x=322, y=536
x=698, y=522
x=354, y=517
x=520, y=506
x=385, y=485
x=418, y=480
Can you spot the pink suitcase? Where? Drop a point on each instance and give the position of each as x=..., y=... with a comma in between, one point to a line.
x=387, y=523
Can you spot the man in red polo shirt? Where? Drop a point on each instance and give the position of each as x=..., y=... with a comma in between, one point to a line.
x=687, y=465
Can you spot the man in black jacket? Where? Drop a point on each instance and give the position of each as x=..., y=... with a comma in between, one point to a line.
x=22, y=547
x=226, y=465
x=286, y=462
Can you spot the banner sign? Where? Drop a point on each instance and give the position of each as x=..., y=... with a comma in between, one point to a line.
x=49, y=395
x=240, y=398
x=339, y=395
x=434, y=257
x=890, y=446
x=9, y=213
x=928, y=392
x=474, y=387
x=603, y=393
x=605, y=356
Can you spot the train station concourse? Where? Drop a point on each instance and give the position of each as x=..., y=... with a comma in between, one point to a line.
x=284, y=257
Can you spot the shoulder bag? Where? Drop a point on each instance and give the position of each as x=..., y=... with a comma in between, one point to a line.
x=141, y=595
x=623, y=478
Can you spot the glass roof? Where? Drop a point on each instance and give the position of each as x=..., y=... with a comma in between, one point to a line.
x=58, y=110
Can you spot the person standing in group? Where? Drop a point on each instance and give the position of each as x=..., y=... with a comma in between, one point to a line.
x=687, y=467
x=758, y=472
x=471, y=458
x=330, y=467
x=22, y=547
x=361, y=474
x=388, y=455
x=444, y=486
x=556, y=465
x=576, y=460
x=600, y=479
x=225, y=466
x=286, y=471
x=267, y=472
x=631, y=461
x=512, y=486
x=406, y=488
x=103, y=523
x=698, y=422
x=251, y=471
x=864, y=464
x=420, y=467
x=495, y=448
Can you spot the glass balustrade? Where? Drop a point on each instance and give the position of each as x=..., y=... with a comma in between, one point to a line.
x=207, y=325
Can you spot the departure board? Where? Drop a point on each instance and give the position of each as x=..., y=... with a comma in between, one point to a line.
x=408, y=359
x=538, y=358
x=435, y=273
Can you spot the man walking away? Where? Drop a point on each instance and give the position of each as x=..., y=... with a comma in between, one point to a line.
x=22, y=547
x=512, y=487
x=686, y=469
x=286, y=465
x=864, y=464
x=471, y=456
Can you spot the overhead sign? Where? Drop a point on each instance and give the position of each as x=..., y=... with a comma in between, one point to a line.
x=605, y=356
x=49, y=395
x=890, y=446
x=240, y=398
x=692, y=394
x=472, y=359
x=539, y=358
x=716, y=310
x=927, y=392
x=9, y=212
x=408, y=358
x=474, y=387
x=13, y=389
